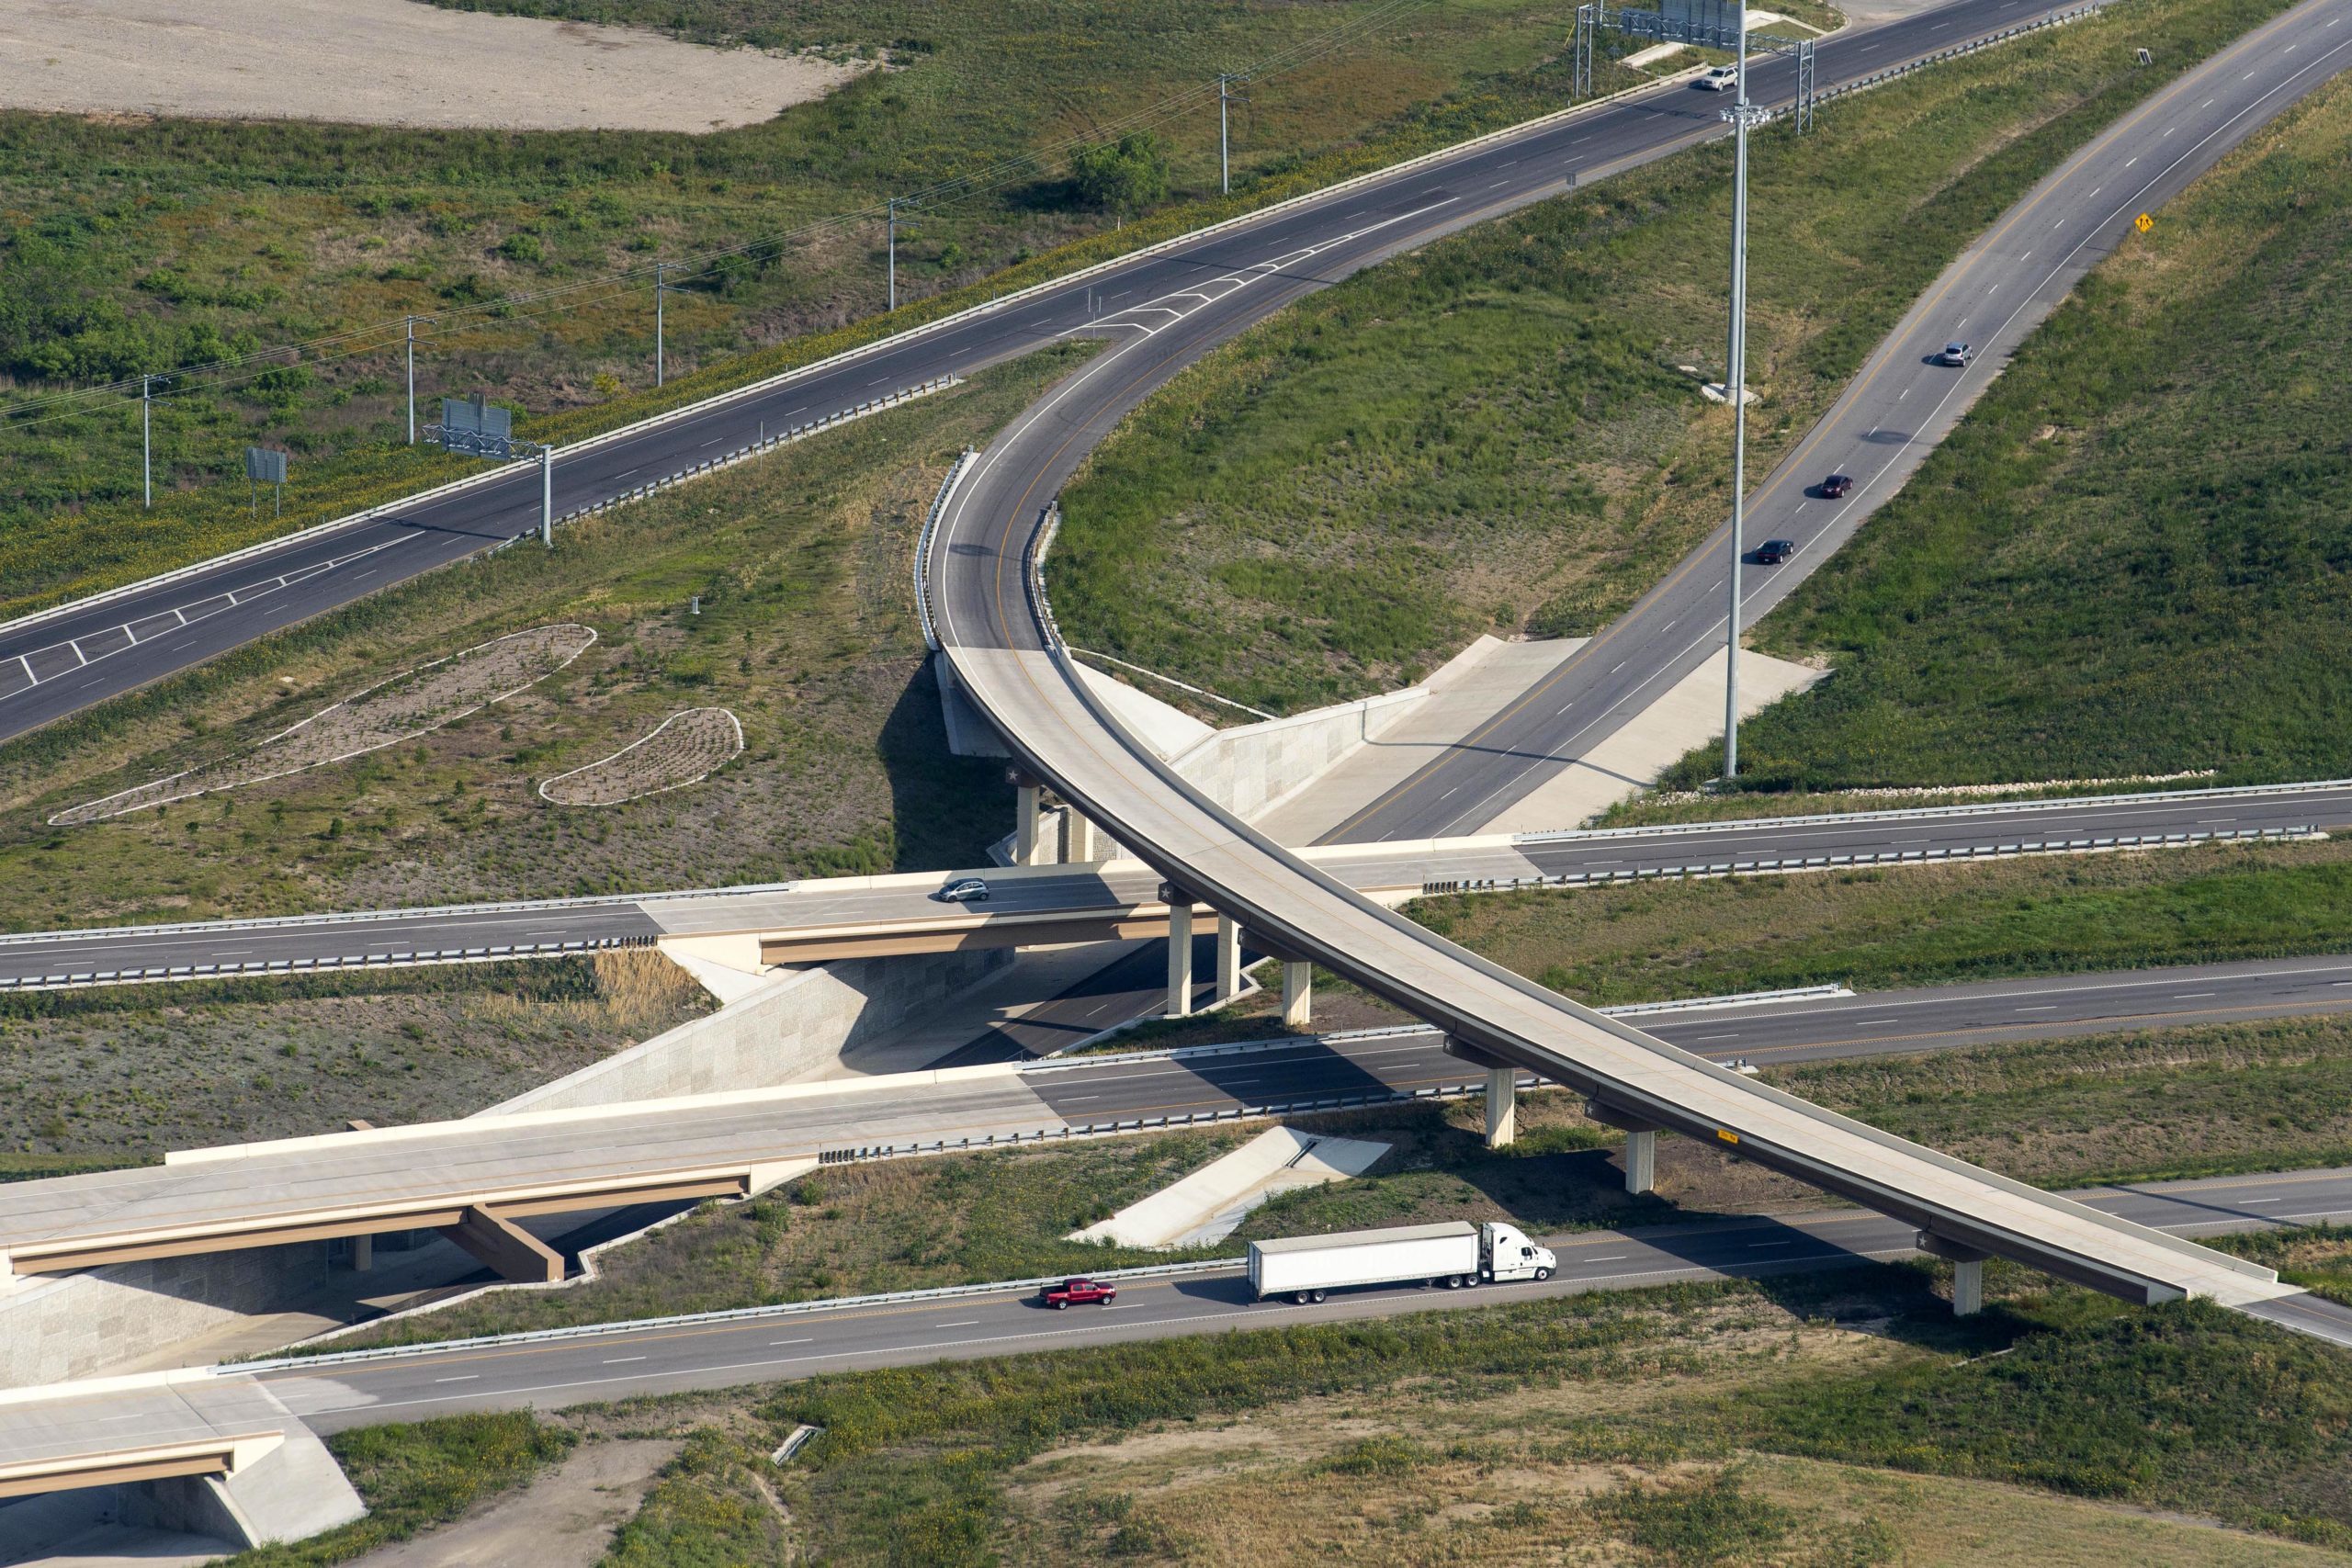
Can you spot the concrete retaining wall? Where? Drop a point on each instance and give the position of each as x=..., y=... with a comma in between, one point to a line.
x=778, y=1035
x=1253, y=768
x=94, y=1323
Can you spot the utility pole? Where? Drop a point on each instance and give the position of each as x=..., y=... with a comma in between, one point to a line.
x=1225, y=81
x=660, y=270
x=412, y=376
x=1741, y=114
x=147, y=439
x=894, y=252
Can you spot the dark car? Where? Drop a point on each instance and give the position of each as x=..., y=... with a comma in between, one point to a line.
x=1835, y=485
x=1772, y=552
x=966, y=890
x=1085, y=1292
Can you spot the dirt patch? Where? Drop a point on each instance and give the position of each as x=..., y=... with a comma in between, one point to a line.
x=386, y=63
x=414, y=703
x=564, y=1519
x=684, y=749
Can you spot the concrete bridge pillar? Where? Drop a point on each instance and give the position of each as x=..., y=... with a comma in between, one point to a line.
x=363, y=1254
x=1299, y=995
x=1025, y=823
x=1179, y=951
x=1503, y=1090
x=1502, y=1107
x=1967, y=1271
x=1228, y=958
x=1081, y=848
x=1641, y=1143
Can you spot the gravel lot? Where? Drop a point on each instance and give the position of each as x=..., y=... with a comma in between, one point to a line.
x=384, y=62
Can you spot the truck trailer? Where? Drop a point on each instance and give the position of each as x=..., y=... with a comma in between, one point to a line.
x=1453, y=1254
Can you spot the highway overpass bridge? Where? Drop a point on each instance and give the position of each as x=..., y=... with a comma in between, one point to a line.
x=821, y=919
x=993, y=620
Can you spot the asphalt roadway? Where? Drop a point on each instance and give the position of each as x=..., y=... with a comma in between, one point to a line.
x=61, y=662
x=1891, y=416
x=203, y=950
x=656, y=1360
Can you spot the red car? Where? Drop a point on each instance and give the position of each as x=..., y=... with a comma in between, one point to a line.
x=1834, y=486
x=1085, y=1292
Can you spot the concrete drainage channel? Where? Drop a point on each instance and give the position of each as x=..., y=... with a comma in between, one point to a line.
x=1872, y=857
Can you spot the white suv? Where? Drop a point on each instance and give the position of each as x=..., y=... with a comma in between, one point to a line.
x=1718, y=79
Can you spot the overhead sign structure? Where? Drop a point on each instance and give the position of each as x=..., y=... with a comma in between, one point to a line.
x=265, y=467
x=474, y=426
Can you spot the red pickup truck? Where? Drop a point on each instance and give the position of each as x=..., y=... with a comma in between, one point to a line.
x=1085, y=1292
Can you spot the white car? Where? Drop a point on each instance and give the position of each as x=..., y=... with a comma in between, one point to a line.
x=1955, y=353
x=1718, y=79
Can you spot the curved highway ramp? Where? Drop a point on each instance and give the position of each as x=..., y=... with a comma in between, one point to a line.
x=996, y=629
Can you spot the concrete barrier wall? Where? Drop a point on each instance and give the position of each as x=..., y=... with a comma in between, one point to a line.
x=779, y=1035
x=1253, y=768
x=54, y=1328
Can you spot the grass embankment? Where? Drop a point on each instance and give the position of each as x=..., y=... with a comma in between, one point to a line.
x=1877, y=929
x=142, y=247
x=1728, y=1424
x=2132, y=556
x=119, y=1075
x=807, y=632
x=1494, y=435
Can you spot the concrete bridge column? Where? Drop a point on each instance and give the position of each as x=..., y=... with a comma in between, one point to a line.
x=363, y=1254
x=1026, y=805
x=1299, y=995
x=1080, y=848
x=1179, y=951
x=1641, y=1143
x=1502, y=1107
x=1503, y=1090
x=1228, y=958
x=1967, y=1271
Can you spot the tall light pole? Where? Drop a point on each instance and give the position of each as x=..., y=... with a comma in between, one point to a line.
x=660, y=270
x=1741, y=114
x=147, y=440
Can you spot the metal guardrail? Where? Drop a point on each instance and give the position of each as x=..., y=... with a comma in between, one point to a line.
x=1033, y=565
x=1923, y=813
x=741, y=453
x=724, y=1315
x=1892, y=72
x=1866, y=857
x=391, y=958
x=962, y=466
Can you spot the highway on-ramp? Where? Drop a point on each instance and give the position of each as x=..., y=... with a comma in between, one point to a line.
x=998, y=633
x=60, y=662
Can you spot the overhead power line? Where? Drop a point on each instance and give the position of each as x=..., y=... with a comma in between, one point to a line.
x=451, y=320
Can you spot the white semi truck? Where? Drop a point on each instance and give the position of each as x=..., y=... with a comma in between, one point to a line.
x=1455, y=1254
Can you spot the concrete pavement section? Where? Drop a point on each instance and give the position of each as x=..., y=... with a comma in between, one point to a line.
x=900, y=911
